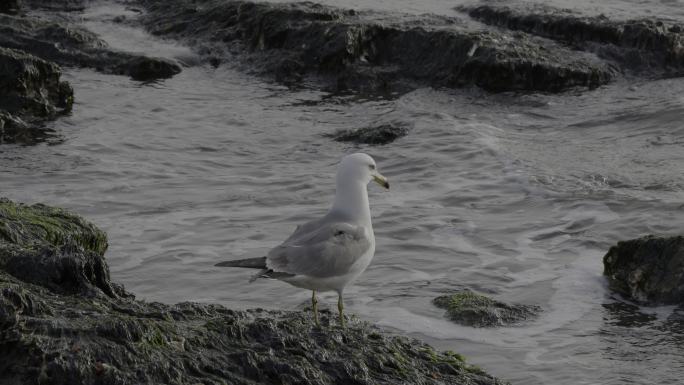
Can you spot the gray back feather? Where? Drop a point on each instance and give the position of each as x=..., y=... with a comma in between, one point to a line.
x=321, y=248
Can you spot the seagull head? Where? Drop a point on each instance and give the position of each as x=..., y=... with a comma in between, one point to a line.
x=362, y=168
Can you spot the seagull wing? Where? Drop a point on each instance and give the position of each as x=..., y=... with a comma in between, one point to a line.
x=320, y=249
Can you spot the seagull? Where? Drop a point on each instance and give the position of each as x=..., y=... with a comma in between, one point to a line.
x=328, y=253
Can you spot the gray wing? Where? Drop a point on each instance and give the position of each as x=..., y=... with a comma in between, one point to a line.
x=320, y=249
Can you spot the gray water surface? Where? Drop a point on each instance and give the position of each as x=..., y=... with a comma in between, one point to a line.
x=515, y=195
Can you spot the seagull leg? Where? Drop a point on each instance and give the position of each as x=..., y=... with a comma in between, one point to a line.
x=314, y=306
x=340, y=308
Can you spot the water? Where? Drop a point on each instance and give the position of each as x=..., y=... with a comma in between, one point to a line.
x=510, y=194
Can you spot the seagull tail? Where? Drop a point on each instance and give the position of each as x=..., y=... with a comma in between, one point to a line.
x=249, y=263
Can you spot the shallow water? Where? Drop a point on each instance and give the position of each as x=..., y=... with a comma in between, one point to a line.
x=515, y=195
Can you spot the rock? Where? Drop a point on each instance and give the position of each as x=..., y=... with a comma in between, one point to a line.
x=62, y=321
x=32, y=93
x=32, y=86
x=471, y=309
x=370, y=50
x=70, y=45
x=13, y=129
x=381, y=134
x=146, y=68
x=53, y=248
x=57, y=5
x=637, y=45
x=648, y=270
x=10, y=6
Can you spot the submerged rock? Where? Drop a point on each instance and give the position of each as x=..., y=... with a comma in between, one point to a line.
x=649, y=270
x=471, y=309
x=371, y=50
x=62, y=321
x=32, y=92
x=146, y=68
x=381, y=134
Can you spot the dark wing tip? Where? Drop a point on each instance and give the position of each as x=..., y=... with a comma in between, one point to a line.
x=250, y=263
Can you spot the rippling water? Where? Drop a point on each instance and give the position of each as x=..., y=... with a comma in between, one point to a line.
x=516, y=195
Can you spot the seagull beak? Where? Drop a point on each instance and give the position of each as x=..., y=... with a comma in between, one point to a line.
x=381, y=180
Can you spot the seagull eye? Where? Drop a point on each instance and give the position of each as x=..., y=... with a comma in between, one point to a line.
x=372, y=166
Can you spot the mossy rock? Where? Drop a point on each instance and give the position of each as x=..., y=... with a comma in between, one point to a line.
x=40, y=225
x=55, y=249
x=472, y=309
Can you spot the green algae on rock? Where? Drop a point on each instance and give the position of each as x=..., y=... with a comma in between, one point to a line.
x=62, y=321
x=40, y=225
x=56, y=249
x=471, y=309
x=649, y=270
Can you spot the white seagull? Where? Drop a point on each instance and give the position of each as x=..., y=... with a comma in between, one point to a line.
x=327, y=254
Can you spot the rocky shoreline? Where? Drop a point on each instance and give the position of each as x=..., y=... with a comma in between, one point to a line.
x=370, y=51
x=62, y=321
x=640, y=46
x=34, y=45
x=492, y=46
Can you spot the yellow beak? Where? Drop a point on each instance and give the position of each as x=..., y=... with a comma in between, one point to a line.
x=381, y=180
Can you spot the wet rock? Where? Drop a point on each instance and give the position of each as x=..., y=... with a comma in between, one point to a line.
x=32, y=86
x=636, y=45
x=10, y=6
x=62, y=321
x=53, y=248
x=289, y=72
x=146, y=68
x=32, y=92
x=471, y=309
x=70, y=45
x=380, y=134
x=56, y=5
x=648, y=270
x=13, y=129
x=373, y=51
